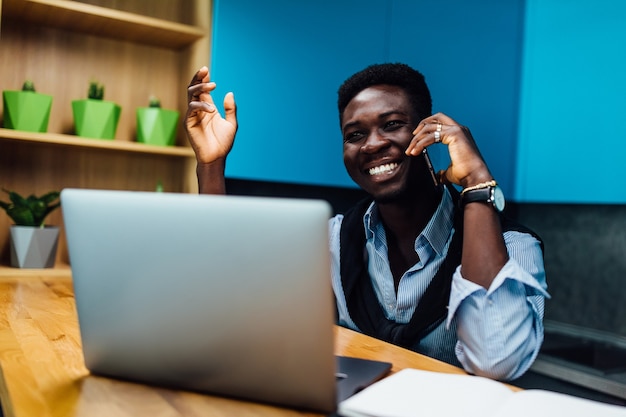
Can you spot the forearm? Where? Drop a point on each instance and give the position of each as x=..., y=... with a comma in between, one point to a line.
x=484, y=251
x=211, y=178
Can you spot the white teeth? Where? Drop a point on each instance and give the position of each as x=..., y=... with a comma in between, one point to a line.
x=382, y=169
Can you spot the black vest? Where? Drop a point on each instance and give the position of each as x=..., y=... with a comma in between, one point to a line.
x=361, y=300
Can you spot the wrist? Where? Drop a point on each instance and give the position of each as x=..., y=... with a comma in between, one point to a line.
x=211, y=178
x=478, y=176
x=485, y=184
x=486, y=192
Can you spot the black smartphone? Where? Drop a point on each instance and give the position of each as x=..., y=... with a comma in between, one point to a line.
x=430, y=167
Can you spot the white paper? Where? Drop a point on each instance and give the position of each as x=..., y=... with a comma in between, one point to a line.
x=540, y=403
x=413, y=393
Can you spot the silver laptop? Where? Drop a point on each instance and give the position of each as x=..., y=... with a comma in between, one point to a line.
x=227, y=295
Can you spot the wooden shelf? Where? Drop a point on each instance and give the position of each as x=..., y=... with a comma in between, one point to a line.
x=59, y=270
x=101, y=21
x=75, y=141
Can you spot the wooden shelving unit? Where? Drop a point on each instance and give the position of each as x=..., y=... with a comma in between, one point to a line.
x=75, y=141
x=103, y=21
x=136, y=48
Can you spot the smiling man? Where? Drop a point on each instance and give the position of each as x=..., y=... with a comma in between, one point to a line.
x=417, y=264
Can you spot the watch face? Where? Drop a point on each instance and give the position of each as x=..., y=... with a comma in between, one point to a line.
x=498, y=198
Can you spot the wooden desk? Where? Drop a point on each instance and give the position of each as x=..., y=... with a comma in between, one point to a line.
x=43, y=373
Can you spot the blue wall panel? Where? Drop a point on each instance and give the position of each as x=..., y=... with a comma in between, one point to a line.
x=284, y=60
x=572, y=142
x=470, y=54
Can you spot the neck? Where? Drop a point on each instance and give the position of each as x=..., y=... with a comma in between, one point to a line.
x=407, y=216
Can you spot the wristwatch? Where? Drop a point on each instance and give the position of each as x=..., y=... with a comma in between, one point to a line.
x=490, y=194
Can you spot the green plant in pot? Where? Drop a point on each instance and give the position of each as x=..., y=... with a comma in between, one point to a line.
x=27, y=109
x=156, y=126
x=95, y=117
x=33, y=244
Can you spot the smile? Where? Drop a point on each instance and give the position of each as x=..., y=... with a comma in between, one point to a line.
x=381, y=169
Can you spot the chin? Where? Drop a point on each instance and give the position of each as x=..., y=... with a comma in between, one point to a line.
x=383, y=191
x=388, y=195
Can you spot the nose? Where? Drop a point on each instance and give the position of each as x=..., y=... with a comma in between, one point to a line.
x=374, y=143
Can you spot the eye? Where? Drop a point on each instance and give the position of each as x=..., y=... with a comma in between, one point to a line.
x=351, y=137
x=392, y=125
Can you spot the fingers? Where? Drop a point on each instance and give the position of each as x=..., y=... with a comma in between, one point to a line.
x=200, y=76
x=196, y=108
x=230, y=109
x=443, y=176
x=195, y=85
x=427, y=133
x=201, y=92
x=199, y=100
x=437, y=128
x=200, y=87
x=201, y=109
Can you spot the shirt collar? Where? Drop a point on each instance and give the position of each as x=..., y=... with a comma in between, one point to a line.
x=440, y=226
x=437, y=231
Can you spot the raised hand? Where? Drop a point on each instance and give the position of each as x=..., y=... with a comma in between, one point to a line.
x=467, y=166
x=211, y=135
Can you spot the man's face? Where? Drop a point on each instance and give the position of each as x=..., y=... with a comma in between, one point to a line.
x=377, y=127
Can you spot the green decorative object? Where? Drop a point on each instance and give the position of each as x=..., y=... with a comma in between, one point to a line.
x=95, y=117
x=26, y=110
x=156, y=126
x=33, y=244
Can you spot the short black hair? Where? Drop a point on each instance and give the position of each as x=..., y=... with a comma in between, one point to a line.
x=397, y=74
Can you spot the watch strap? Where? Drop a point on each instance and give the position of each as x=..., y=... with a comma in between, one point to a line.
x=479, y=194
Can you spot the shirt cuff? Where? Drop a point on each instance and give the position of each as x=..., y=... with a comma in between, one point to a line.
x=462, y=288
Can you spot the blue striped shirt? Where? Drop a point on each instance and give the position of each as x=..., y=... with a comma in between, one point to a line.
x=495, y=332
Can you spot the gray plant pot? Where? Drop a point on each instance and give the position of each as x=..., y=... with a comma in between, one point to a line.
x=34, y=247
